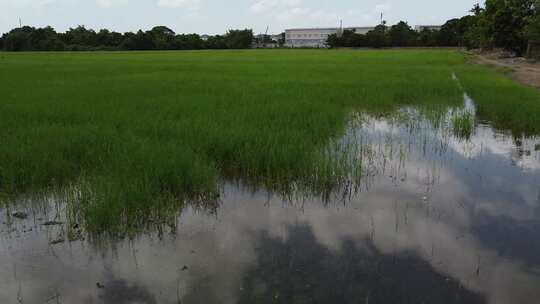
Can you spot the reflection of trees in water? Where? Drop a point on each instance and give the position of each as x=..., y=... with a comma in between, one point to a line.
x=301, y=270
x=511, y=238
x=120, y=292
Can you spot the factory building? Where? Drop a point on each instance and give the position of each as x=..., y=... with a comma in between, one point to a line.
x=316, y=37
x=420, y=28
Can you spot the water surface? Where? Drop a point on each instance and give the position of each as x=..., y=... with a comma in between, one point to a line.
x=431, y=216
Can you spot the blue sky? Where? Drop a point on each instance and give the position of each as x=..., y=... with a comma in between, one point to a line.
x=213, y=17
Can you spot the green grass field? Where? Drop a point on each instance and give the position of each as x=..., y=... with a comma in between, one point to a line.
x=135, y=131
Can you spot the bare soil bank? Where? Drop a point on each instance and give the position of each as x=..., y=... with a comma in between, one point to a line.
x=521, y=69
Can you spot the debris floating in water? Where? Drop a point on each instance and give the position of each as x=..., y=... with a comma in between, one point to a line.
x=52, y=223
x=58, y=241
x=20, y=215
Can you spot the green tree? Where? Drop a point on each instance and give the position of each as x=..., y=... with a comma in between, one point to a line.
x=163, y=37
x=80, y=36
x=453, y=31
x=18, y=39
x=188, y=42
x=352, y=39
x=333, y=41
x=45, y=39
x=503, y=23
x=281, y=40
x=32, y=39
x=347, y=39
x=139, y=41
x=532, y=30
x=377, y=37
x=477, y=36
x=428, y=38
x=401, y=35
x=108, y=39
x=216, y=42
x=239, y=39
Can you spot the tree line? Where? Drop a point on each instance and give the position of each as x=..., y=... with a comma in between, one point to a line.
x=510, y=24
x=28, y=38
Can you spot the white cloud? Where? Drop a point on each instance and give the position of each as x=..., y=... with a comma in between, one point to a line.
x=265, y=6
x=293, y=13
x=110, y=3
x=299, y=13
x=192, y=4
x=382, y=7
x=34, y=4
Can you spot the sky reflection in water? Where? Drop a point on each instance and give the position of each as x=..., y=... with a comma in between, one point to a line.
x=439, y=219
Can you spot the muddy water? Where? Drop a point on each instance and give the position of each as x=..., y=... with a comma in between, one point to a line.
x=435, y=218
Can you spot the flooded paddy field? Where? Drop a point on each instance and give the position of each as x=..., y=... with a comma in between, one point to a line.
x=381, y=191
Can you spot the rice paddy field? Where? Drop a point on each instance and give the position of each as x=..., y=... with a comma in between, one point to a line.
x=267, y=176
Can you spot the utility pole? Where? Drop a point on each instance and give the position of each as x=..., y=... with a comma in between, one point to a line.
x=265, y=36
x=20, y=22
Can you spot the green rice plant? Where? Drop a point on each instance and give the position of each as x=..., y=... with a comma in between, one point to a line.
x=463, y=125
x=501, y=101
x=135, y=136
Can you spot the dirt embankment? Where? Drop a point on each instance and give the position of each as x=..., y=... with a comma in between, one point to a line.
x=520, y=69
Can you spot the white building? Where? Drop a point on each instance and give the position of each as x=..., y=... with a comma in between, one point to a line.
x=276, y=38
x=420, y=28
x=316, y=37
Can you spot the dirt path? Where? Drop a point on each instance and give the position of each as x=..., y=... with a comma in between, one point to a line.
x=523, y=71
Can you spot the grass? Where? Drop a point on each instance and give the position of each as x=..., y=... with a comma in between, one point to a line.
x=500, y=100
x=132, y=135
x=463, y=126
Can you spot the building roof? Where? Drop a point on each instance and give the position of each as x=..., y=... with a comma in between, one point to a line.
x=428, y=26
x=329, y=28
